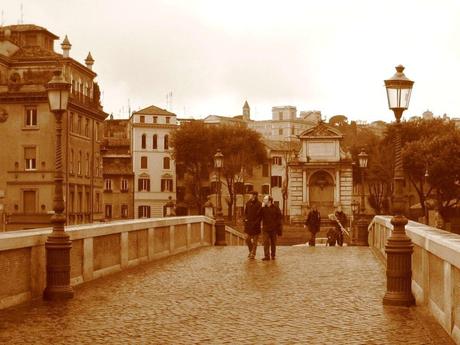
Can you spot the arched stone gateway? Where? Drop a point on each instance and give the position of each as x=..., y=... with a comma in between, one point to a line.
x=321, y=174
x=321, y=191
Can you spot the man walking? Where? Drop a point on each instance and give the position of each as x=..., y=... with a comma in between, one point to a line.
x=313, y=222
x=252, y=223
x=271, y=218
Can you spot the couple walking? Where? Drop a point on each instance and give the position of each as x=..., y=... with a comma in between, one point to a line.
x=269, y=215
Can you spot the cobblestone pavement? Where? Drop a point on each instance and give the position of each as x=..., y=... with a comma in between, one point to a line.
x=216, y=295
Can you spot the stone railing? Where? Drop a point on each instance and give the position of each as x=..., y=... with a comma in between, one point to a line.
x=97, y=250
x=435, y=268
x=234, y=237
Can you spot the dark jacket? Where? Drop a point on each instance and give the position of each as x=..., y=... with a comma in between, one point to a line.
x=252, y=217
x=271, y=219
x=313, y=221
x=342, y=218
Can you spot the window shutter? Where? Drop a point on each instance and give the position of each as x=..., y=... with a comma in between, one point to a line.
x=162, y=185
x=148, y=185
x=139, y=185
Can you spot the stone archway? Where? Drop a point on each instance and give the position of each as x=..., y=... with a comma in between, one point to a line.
x=321, y=192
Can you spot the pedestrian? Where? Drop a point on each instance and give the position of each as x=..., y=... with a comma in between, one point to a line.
x=313, y=222
x=271, y=218
x=340, y=225
x=252, y=223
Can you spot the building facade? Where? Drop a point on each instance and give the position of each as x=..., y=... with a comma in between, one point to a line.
x=322, y=175
x=153, y=166
x=27, y=165
x=118, y=197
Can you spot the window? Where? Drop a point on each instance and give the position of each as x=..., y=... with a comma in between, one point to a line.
x=144, y=162
x=280, y=115
x=124, y=185
x=80, y=202
x=31, y=117
x=166, y=142
x=249, y=170
x=248, y=188
x=143, y=185
x=155, y=119
x=142, y=119
x=124, y=211
x=154, y=142
x=87, y=128
x=144, y=141
x=97, y=131
x=87, y=164
x=71, y=200
x=167, y=119
x=96, y=163
x=71, y=122
x=108, y=211
x=88, y=203
x=292, y=130
x=266, y=189
x=166, y=185
x=144, y=211
x=277, y=160
x=79, y=163
x=166, y=163
x=280, y=131
x=98, y=200
x=79, y=124
x=30, y=158
x=29, y=201
x=276, y=181
x=108, y=185
x=265, y=170
x=71, y=160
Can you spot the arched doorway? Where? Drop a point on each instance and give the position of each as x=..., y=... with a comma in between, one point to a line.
x=321, y=192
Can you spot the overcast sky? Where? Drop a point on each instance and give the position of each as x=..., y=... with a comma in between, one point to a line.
x=327, y=55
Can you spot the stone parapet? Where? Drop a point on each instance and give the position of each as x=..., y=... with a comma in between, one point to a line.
x=98, y=250
x=435, y=268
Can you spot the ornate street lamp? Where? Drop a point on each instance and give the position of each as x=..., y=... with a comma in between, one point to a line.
x=58, y=243
x=220, y=224
x=362, y=160
x=399, y=246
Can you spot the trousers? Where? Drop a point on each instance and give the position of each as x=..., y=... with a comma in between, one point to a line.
x=251, y=242
x=269, y=239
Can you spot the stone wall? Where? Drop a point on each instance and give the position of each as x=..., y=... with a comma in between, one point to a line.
x=435, y=268
x=98, y=250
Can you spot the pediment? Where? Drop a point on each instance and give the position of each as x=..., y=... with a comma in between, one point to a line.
x=322, y=131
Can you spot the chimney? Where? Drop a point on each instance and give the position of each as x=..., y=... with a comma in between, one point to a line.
x=89, y=61
x=65, y=45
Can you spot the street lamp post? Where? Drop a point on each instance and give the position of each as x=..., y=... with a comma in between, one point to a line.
x=399, y=246
x=362, y=222
x=58, y=243
x=220, y=224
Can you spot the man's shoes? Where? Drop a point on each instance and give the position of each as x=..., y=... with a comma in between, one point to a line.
x=273, y=258
x=265, y=258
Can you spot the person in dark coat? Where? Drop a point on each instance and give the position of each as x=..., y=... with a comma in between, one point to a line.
x=313, y=222
x=271, y=218
x=252, y=224
x=342, y=219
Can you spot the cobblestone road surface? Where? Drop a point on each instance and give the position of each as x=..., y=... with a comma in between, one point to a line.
x=215, y=295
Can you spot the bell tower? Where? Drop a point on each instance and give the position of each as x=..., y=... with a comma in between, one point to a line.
x=246, y=112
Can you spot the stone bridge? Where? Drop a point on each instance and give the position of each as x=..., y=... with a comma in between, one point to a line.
x=160, y=281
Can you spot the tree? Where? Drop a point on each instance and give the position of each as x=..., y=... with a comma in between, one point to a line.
x=243, y=149
x=193, y=149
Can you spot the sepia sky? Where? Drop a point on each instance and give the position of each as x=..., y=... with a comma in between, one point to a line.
x=327, y=55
